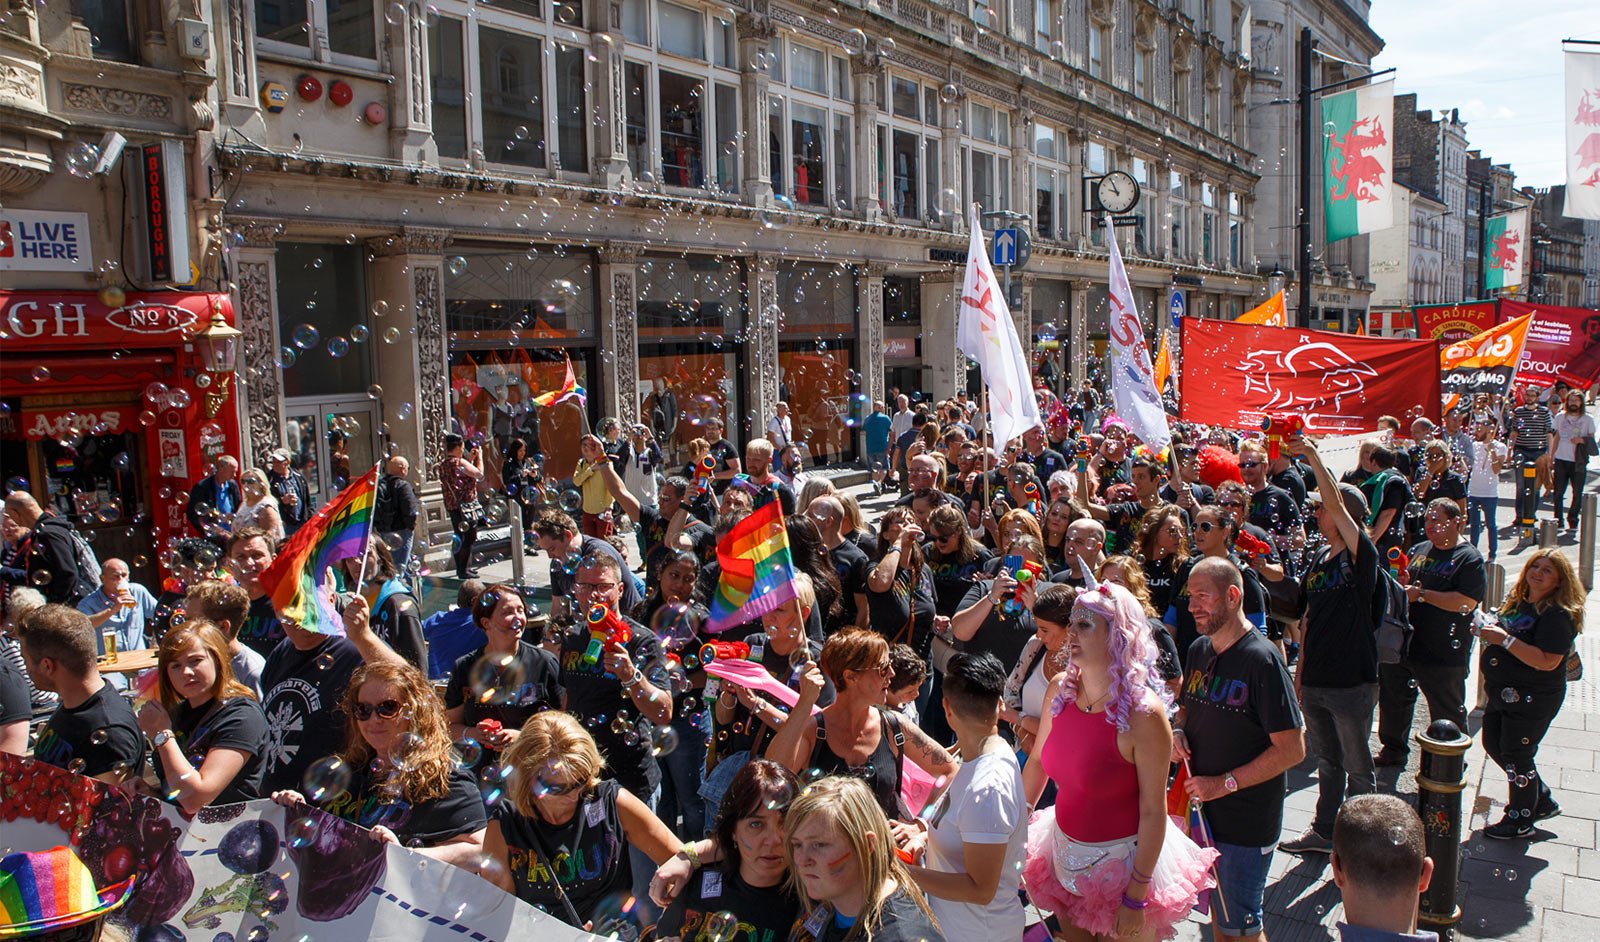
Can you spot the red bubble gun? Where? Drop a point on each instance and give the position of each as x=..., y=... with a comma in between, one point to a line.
x=1030, y=490
x=1398, y=561
x=702, y=476
x=1083, y=450
x=1252, y=547
x=1279, y=428
x=724, y=651
x=606, y=627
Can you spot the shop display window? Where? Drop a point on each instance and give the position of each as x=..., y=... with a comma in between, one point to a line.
x=817, y=380
x=324, y=326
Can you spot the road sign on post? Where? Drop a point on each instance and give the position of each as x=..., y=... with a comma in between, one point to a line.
x=1004, y=246
x=1175, y=305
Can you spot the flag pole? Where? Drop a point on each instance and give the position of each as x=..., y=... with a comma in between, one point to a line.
x=991, y=454
x=366, y=546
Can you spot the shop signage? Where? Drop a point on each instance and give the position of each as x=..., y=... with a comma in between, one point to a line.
x=57, y=320
x=34, y=241
x=66, y=423
x=174, y=460
x=161, y=222
x=900, y=348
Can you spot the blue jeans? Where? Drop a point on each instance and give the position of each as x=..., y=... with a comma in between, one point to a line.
x=644, y=911
x=1242, y=884
x=682, y=770
x=1480, y=512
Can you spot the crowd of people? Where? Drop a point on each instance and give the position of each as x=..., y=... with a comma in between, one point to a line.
x=1049, y=631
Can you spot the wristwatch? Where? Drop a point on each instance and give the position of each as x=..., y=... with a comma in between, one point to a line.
x=1231, y=783
x=161, y=739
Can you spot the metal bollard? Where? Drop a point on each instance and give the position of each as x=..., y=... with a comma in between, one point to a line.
x=1527, y=499
x=518, y=550
x=1497, y=587
x=1547, y=533
x=1591, y=504
x=1439, y=783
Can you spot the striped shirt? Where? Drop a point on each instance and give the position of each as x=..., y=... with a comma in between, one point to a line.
x=1530, y=427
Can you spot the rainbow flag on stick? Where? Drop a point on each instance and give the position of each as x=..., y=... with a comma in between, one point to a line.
x=297, y=580
x=757, y=570
x=569, y=390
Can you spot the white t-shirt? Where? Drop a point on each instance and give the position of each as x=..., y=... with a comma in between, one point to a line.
x=1484, y=482
x=778, y=432
x=983, y=805
x=247, y=666
x=1567, y=427
x=899, y=424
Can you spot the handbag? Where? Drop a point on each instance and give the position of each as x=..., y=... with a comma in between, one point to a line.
x=1574, y=665
x=472, y=515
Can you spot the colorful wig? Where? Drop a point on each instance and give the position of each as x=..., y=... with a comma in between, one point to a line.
x=1133, y=655
x=1218, y=464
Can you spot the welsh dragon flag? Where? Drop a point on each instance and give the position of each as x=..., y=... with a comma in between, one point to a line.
x=1358, y=160
x=1505, y=263
x=1583, y=134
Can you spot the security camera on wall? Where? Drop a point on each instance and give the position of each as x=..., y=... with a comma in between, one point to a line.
x=111, y=146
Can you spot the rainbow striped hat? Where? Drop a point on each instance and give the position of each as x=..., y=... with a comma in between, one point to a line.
x=42, y=891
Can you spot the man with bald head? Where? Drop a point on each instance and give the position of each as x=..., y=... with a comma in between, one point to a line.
x=1240, y=730
x=121, y=606
x=1085, y=547
x=395, y=510
x=213, y=500
x=849, y=562
x=47, y=557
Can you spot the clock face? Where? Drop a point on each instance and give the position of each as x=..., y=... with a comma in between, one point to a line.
x=1117, y=191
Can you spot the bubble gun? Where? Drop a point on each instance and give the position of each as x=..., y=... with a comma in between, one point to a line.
x=1030, y=490
x=1398, y=561
x=1280, y=428
x=1252, y=547
x=606, y=627
x=724, y=651
x=1083, y=450
x=702, y=477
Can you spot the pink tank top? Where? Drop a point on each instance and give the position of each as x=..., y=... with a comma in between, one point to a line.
x=1097, y=790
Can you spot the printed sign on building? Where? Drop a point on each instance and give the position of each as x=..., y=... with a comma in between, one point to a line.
x=38, y=241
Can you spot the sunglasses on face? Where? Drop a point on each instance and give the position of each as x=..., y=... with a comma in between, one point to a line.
x=1206, y=526
x=388, y=709
x=555, y=789
x=941, y=537
x=1249, y=464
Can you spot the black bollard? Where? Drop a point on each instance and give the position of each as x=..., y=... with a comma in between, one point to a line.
x=1439, y=785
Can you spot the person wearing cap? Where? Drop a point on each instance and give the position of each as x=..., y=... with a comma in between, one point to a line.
x=50, y=896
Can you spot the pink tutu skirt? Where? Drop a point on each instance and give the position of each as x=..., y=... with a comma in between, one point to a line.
x=1083, y=883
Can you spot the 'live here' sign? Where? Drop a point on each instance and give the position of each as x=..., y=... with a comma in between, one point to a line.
x=40, y=241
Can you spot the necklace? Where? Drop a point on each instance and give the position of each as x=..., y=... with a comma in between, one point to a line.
x=1089, y=708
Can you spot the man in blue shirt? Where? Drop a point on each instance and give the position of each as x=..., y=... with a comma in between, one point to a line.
x=454, y=633
x=121, y=606
x=1381, y=867
x=877, y=426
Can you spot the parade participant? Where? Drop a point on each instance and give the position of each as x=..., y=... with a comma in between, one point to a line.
x=878, y=427
x=19, y=602
x=1043, y=657
x=1532, y=430
x=1215, y=530
x=677, y=621
x=1337, y=675
x=749, y=888
x=1572, y=431
x=1239, y=730
x=1163, y=545
x=850, y=564
x=406, y=786
x=1058, y=516
x=559, y=808
x=1126, y=572
x=1086, y=542
x=1524, y=664
x=213, y=500
x=459, y=474
x=290, y=488
x=47, y=556
x=209, y=733
x=907, y=445
x=758, y=453
x=1272, y=508
x=811, y=557
x=303, y=682
x=973, y=859
x=1122, y=517
x=1381, y=867
x=453, y=633
x=1107, y=860
x=558, y=536
x=996, y=614
x=1437, y=477
x=723, y=452
x=900, y=593
x=227, y=606
x=645, y=460
x=1446, y=581
x=791, y=466
x=1036, y=451
x=854, y=735
x=122, y=607
x=16, y=708
x=1483, y=485
x=250, y=552
x=496, y=688
x=780, y=428
x=395, y=509
x=396, y=616
x=851, y=882
x=93, y=731
x=592, y=478
x=258, y=508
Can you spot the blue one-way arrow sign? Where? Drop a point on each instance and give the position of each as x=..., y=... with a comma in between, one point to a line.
x=1004, y=247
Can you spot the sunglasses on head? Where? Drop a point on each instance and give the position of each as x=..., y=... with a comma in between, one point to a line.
x=388, y=709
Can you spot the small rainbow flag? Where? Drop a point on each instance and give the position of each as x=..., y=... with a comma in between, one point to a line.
x=569, y=390
x=757, y=570
x=297, y=580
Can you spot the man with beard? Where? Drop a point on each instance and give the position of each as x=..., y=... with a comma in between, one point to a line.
x=758, y=474
x=1240, y=731
x=250, y=551
x=1272, y=508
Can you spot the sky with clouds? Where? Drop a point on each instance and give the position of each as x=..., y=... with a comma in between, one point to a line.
x=1499, y=63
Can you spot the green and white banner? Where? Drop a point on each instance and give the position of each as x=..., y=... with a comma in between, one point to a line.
x=1358, y=160
x=1505, y=259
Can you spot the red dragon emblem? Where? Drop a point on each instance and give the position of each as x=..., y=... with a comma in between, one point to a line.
x=1357, y=173
x=1589, y=151
x=1504, y=253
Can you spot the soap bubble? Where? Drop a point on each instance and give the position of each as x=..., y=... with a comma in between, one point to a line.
x=663, y=740
x=948, y=93
x=338, y=347
x=395, y=13
x=854, y=42
x=720, y=927
x=81, y=159
x=326, y=779
x=468, y=752
x=677, y=626
x=305, y=336
x=303, y=833
x=455, y=265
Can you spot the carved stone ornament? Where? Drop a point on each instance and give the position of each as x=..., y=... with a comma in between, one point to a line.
x=116, y=101
x=20, y=84
x=262, y=389
x=432, y=371
x=251, y=233
x=625, y=324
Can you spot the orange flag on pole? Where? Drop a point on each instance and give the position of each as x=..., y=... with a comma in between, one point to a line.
x=1270, y=313
x=1163, y=368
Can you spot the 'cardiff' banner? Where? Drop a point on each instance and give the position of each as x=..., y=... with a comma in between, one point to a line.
x=1453, y=323
x=1486, y=363
x=1563, y=344
x=1338, y=383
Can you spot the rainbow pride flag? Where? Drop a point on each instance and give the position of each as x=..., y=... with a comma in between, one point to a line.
x=569, y=390
x=298, y=581
x=757, y=570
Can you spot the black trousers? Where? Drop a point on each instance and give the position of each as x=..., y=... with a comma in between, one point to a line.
x=1445, y=689
x=1563, y=474
x=466, y=536
x=1511, y=735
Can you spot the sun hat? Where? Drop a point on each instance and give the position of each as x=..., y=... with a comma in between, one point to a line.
x=46, y=890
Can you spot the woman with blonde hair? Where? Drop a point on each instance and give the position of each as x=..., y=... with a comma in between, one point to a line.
x=843, y=862
x=1524, y=668
x=406, y=784
x=259, y=508
x=810, y=490
x=209, y=733
x=558, y=808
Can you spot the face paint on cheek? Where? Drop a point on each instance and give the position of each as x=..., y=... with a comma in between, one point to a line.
x=836, y=867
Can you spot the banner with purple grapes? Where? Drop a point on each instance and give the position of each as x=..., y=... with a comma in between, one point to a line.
x=255, y=872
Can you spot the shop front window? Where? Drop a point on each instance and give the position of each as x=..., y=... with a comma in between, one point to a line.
x=690, y=308
x=323, y=320
x=817, y=380
x=682, y=386
x=520, y=298
x=1051, y=333
x=491, y=404
x=809, y=147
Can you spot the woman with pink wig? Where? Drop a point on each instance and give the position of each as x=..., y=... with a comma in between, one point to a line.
x=1106, y=859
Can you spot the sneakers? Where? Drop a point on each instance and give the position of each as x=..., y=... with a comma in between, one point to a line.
x=1547, y=808
x=1389, y=758
x=1507, y=830
x=1308, y=843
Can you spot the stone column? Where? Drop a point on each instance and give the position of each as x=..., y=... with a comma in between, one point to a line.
x=950, y=161
x=866, y=77
x=238, y=87
x=761, y=382
x=1079, y=352
x=1022, y=317
x=610, y=94
x=947, y=364
x=1073, y=226
x=405, y=276
x=869, y=326
x=619, y=330
x=258, y=390
x=410, y=101
x=755, y=31
x=1021, y=182
x=1161, y=182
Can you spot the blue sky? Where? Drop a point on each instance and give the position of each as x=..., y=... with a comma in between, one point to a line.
x=1501, y=65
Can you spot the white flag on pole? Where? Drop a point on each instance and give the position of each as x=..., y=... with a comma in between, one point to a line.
x=1133, y=384
x=1583, y=135
x=986, y=334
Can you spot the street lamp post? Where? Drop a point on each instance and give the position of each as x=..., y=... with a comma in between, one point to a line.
x=219, y=350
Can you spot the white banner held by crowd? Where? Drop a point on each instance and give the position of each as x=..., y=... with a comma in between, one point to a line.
x=1133, y=384
x=986, y=334
x=1583, y=134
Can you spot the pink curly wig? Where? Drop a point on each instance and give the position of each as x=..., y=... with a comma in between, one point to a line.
x=1218, y=464
x=1133, y=655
